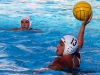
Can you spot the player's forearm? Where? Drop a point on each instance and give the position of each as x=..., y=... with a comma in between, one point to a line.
x=81, y=35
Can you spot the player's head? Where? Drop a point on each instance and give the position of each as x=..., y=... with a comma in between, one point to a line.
x=67, y=45
x=26, y=22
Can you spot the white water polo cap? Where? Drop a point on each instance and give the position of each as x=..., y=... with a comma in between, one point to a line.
x=71, y=44
x=26, y=17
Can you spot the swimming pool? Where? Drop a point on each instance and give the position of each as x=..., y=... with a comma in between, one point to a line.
x=23, y=51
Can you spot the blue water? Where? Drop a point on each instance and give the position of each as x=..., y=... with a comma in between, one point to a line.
x=23, y=51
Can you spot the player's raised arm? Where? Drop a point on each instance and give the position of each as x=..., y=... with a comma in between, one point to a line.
x=81, y=32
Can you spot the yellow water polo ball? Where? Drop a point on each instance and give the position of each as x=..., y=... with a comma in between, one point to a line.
x=81, y=10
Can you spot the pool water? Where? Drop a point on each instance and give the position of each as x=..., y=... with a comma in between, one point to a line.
x=23, y=51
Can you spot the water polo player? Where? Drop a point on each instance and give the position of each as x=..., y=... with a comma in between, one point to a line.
x=25, y=23
x=68, y=50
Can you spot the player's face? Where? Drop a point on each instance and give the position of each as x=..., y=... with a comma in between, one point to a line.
x=24, y=24
x=60, y=48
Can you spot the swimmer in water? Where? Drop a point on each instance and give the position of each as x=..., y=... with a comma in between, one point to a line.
x=25, y=23
x=68, y=51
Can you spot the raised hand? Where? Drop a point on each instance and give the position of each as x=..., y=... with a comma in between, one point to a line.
x=87, y=20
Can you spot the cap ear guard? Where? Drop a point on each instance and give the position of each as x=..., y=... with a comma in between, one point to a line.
x=69, y=49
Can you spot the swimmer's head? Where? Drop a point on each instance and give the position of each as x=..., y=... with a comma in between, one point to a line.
x=27, y=20
x=70, y=43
